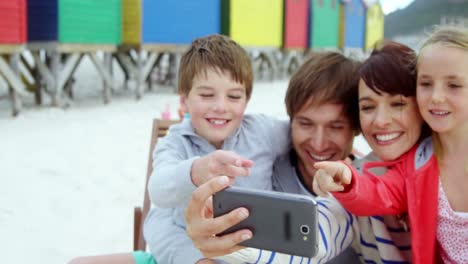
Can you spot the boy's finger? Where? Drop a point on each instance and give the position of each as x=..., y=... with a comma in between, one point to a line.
x=233, y=171
x=231, y=158
x=244, y=163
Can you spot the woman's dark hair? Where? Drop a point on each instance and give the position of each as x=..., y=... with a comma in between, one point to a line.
x=390, y=69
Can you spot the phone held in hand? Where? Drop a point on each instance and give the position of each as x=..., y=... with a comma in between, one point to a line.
x=280, y=222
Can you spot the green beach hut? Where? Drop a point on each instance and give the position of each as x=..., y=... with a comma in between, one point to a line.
x=324, y=23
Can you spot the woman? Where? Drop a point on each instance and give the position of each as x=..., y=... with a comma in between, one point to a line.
x=429, y=181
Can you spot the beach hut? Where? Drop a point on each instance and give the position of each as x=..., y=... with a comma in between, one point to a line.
x=296, y=24
x=325, y=19
x=179, y=22
x=374, y=25
x=13, y=22
x=75, y=21
x=131, y=22
x=13, y=30
x=353, y=24
x=254, y=23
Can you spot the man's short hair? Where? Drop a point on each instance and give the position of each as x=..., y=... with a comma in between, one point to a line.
x=326, y=77
x=219, y=53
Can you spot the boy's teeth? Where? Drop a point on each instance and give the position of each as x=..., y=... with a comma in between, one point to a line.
x=218, y=122
x=387, y=137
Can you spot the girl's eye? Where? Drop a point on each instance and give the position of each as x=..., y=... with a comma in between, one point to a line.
x=235, y=97
x=454, y=85
x=206, y=95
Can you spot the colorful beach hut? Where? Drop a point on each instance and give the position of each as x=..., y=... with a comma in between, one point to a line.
x=374, y=25
x=179, y=22
x=75, y=21
x=254, y=23
x=131, y=22
x=296, y=24
x=325, y=19
x=13, y=21
x=353, y=24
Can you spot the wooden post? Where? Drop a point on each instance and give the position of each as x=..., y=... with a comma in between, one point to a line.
x=14, y=96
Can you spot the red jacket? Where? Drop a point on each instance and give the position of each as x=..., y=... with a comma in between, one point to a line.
x=410, y=185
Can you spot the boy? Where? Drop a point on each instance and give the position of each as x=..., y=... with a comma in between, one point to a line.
x=215, y=85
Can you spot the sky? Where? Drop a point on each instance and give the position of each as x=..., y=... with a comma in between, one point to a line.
x=392, y=5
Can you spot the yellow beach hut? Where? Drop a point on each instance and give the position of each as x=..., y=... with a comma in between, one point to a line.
x=374, y=25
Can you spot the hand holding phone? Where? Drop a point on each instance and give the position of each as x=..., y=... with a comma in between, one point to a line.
x=280, y=222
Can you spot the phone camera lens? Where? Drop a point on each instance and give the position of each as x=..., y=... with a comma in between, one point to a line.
x=305, y=229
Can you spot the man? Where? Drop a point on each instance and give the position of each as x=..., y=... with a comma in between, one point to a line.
x=320, y=103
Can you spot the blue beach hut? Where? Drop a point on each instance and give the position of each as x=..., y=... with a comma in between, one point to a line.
x=354, y=24
x=179, y=22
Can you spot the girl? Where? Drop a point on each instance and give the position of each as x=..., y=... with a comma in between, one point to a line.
x=430, y=181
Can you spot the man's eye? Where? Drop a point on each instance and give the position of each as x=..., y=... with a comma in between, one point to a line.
x=399, y=104
x=366, y=108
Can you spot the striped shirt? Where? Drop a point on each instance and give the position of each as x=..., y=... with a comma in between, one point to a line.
x=376, y=239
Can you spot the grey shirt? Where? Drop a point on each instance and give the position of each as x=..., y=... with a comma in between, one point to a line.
x=259, y=138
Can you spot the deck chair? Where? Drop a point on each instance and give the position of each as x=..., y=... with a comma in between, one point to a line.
x=160, y=128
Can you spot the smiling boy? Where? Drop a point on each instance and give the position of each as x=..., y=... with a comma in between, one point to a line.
x=215, y=85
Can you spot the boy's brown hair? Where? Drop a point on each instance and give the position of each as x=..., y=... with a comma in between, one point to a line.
x=219, y=53
x=327, y=77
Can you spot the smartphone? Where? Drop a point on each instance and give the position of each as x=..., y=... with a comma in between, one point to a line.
x=280, y=222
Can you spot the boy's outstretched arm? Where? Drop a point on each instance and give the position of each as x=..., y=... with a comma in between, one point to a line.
x=217, y=163
x=177, y=172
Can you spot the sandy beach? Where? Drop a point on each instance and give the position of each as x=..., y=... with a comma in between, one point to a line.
x=71, y=177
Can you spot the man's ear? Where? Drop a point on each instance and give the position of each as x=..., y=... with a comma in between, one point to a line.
x=183, y=103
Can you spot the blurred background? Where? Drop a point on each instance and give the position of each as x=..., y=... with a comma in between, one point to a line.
x=81, y=81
